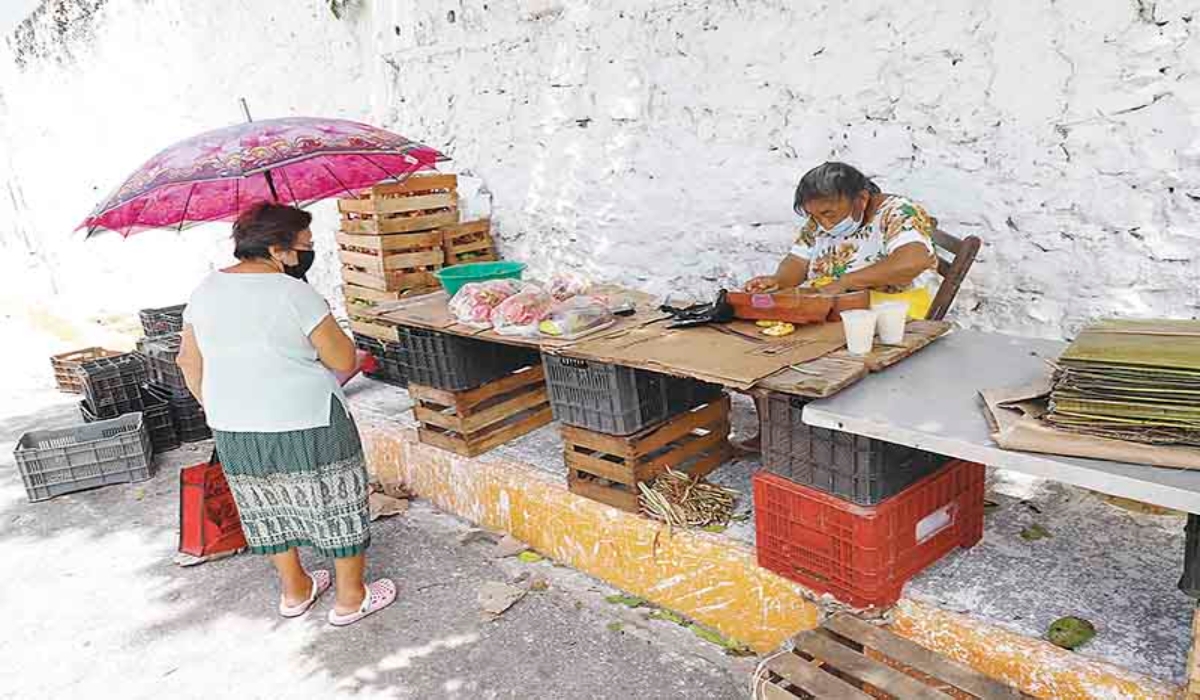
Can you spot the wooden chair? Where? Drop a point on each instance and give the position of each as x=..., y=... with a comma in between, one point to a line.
x=961, y=253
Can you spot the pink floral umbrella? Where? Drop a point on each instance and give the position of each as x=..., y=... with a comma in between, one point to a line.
x=216, y=175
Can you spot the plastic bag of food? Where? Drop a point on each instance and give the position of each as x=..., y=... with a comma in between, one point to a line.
x=575, y=317
x=520, y=313
x=564, y=285
x=474, y=302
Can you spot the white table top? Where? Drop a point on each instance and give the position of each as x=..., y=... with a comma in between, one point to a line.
x=931, y=401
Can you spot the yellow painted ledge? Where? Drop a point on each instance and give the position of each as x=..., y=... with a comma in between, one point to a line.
x=706, y=576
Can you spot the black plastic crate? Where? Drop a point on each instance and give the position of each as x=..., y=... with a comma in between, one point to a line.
x=112, y=385
x=186, y=412
x=156, y=415
x=603, y=397
x=160, y=421
x=859, y=469
x=388, y=358
x=454, y=363
x=168, y=319
x=685, y=394
x=160, y=353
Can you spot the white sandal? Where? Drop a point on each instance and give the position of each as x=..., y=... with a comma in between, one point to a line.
x=379, y=595
x=321, y=580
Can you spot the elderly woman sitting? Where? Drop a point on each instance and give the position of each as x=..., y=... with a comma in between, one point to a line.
x=855, y=237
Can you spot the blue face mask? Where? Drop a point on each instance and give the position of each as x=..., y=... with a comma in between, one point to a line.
x=845, y=227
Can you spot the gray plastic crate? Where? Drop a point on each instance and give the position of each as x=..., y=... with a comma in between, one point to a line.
x=168, y=319
x=454, y=363
x=112, y=385
x=160, y=353
x=859, y=469
x=618, y=400
x=57, y=462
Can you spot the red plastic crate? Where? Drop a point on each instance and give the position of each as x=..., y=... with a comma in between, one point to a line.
x=863, y=555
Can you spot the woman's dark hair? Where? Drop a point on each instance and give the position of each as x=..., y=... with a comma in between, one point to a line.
x=264, y=225
x=832, y=180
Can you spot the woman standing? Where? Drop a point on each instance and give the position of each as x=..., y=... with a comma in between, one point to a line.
x=259, y=351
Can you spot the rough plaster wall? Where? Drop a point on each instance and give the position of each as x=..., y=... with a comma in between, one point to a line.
x=657, y=143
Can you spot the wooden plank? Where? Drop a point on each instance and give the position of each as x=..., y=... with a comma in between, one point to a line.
x=608, y=444
x=353, y=291
x=381, y=263
x=422, y=202
x=527, y=398
x=921, y=659
x=417, y=183
x=811, y=679
x=358, y=311
x=390, y=281
x=473, y=246
x=375, y=330
x=366, y=261
x=441, y=397
x=656, y=438
x=466, y=400
x=433, y=416
x=357, y=205
x=512, y=431
x=389, y=242
x=407, y=261
x=451, y=442
x=598, y=466
x=467, y=227
x=616, y=498
x=398, y=224
x=859, y=667
x=689, y=447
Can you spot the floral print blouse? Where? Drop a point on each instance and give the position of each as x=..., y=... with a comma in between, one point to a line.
x=897, y=222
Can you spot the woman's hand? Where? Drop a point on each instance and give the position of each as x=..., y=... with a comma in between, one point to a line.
x=760, y=285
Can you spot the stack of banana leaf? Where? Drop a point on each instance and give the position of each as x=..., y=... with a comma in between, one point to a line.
x=1131, y=380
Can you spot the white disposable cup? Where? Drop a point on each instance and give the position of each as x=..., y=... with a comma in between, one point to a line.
x=892, y=316
x=859, y=325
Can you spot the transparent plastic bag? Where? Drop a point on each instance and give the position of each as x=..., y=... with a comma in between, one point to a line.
x=474, y=302
x=519, y=314
x=564, y=285
x=575, y=317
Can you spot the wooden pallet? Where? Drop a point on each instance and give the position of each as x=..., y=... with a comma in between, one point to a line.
x=373, y=329
x=469, y=242
x=849, y=659
x=420, y=203
x=474, y=421
x=66, y=367
x=608, y=468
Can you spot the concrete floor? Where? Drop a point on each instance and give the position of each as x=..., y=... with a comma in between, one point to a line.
x=1111, y=566
x=94, y=607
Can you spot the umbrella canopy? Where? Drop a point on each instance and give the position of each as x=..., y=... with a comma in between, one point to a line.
x=216, y=175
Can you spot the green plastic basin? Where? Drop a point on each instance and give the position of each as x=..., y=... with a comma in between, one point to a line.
x=455, y=276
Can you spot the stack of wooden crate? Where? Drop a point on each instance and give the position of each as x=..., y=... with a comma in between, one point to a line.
x=391, y=244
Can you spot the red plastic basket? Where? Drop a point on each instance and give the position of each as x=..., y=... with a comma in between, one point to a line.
x=863, y=555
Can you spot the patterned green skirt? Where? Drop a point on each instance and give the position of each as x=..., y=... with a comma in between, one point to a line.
x=301, y=487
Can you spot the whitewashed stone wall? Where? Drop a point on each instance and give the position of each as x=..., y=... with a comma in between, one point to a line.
x=657, y=143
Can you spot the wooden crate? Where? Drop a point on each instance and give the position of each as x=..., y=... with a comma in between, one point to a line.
x=420, y=203
x=608, y=468
x=66, y=367
x=474, y=421
x=847, y=658
x=470, y=241
x=393, y=262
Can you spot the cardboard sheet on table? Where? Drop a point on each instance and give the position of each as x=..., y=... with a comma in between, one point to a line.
x=1013, y=414
x=736, y=356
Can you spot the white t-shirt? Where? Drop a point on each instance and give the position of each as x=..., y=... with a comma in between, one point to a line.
x=261, y=372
